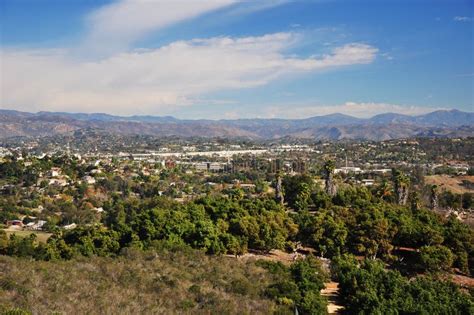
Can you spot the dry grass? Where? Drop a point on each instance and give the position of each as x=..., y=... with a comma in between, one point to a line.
x=41, y=236
x=274, y=255
x=450, y=183
x=182, y=282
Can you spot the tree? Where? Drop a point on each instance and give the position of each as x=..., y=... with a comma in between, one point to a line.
x=303, y=197
x=298, y=190
x=385, y=191
x=298, y=285
x=460, y=239
x=373, y=233
x=401, y=184
x=436, y=258
x=434, y=196
x=321, y=199
x=326, y=233
x=328, y=169
x=369, y=288
x=279, y=197
x=3, y=242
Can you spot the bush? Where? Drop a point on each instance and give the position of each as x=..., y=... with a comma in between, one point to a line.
x=298, y=285
x=436, y=258
x=370, y=289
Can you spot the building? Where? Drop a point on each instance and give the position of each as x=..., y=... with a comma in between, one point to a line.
x=368, y=182
x=36, y=226
x=15, y=223
x=347, y=170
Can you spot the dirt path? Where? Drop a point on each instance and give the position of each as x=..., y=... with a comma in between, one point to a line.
x=332, y=293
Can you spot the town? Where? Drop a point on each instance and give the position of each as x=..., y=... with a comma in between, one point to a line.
x=77, y=186
x=83, y=179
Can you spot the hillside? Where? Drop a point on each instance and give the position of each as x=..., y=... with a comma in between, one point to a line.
x=452, y=123
x=176, y=282
x=454, y=184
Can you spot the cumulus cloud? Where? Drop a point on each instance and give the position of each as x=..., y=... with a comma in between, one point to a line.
x=147, y=80
x=361, y=110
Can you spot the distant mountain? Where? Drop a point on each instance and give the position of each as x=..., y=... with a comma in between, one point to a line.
x=331, y=119
x=449, y=118
x=443, y=123
x=446, y=118
x=391, y=118
x=106, y=117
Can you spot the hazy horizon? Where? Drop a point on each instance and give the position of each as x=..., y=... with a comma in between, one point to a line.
x=244, y=118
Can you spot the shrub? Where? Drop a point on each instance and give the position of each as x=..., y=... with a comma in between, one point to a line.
x=436, y=258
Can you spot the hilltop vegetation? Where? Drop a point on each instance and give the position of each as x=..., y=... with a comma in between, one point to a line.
x=354, y=221
x=178, y=281
x=163, y=280
x=368, y=288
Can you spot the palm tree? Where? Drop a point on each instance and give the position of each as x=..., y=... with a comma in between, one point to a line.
x=329, y=167
x=279, y=190
x=401, y=183
x=434, y=196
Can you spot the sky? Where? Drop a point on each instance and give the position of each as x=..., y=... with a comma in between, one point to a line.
x=227, y=59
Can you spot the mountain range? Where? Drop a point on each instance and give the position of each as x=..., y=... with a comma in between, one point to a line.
x=442, y=123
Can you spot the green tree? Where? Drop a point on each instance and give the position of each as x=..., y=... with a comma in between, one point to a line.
x=436, y=258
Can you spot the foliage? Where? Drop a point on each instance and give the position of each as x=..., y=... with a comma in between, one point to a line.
x=159, y=281
x=297, y=191
x=298, y=285
x=370, y=289
x=436, y=258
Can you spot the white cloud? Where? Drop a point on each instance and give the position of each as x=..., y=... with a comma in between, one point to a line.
x=362, y=110
x=115, y=26
x=145, y=81
x=463, y=19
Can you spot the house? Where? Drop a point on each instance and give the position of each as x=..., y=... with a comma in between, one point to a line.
x=58, y=182
x=348, y=169
x=36, y=226
x=368, y=182
x=18, y=224
x=201, y=166
x=216, y=167
x=211, y=166
x=381, y=171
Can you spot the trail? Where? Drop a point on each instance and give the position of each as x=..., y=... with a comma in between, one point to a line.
x=332, y=293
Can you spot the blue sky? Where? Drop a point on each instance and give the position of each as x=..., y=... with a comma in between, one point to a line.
x=228, y=59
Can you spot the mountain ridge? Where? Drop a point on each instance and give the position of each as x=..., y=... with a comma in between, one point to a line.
x=335, y=126
x=333, y=116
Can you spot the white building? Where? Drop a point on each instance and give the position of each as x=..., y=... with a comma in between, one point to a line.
x=368, y=182
x=347, y=170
